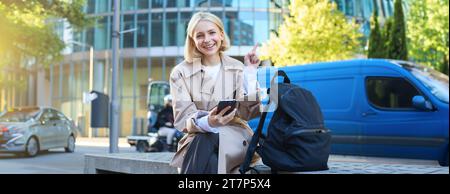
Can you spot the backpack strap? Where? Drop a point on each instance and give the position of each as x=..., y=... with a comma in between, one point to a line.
x=280, y=73
x=245, y=166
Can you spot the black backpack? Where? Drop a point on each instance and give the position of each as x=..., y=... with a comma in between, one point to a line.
x=297, y=139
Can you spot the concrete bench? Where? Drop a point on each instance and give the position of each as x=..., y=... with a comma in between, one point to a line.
x=129, y=163
x=136, y=163
x=158, y=163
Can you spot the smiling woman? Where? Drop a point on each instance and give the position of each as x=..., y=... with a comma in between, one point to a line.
x=215, y=142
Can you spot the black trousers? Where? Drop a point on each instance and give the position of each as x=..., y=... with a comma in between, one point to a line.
x=202, y=155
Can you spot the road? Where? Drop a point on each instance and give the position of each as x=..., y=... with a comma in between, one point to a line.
x=56, y=161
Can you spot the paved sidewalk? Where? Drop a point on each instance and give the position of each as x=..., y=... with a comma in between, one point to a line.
x=380, y=168
x=338, y=164
x=158, y=163
x=100, y=142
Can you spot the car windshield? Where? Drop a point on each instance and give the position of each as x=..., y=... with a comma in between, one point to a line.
x=18, y=115
x=435, y=81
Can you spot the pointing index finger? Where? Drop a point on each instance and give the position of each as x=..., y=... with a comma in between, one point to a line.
x=255, y=47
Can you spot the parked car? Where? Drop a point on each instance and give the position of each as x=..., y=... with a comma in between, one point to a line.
x=32, y=129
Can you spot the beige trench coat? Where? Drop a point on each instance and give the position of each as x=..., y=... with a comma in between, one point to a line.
x=194, y=94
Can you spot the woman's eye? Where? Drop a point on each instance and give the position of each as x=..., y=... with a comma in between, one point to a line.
x=212, y=32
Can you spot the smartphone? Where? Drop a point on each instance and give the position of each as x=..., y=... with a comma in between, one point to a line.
x=224, y=103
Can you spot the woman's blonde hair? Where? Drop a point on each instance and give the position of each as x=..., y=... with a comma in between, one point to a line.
x=190, y=50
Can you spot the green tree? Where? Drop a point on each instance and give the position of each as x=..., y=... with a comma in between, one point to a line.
x=314, y=31
x=27, y=30
x=428, y=33
x=28, y=40
x=386, y=34
x=397, y=41
x=376, y=40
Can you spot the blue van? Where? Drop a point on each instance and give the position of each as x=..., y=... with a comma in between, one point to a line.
x=378, y=107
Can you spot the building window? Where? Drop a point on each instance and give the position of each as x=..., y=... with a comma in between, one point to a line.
x=231, y=3
x=171, y=29
x=90, y=8
x=89, y=38
x=128, y=5
x=182, y=27
x=216, y=3
x=262, y=4
x=232, y=27
x=368, y=9
x=102, y=6
x=77, y=37
x=185, y=3
x=157, y=29
x=172, y=3
x=388, y=6
x=128, y=38
x=142, y=31
x=142, y=4
x=358, y=9
x=101, y=33
x=390, y=92
x=157, y=3
x=262, y=24
x=349, y=8
x=246, y=28
x=218, y=14
x=340, y=5
x=246, y=4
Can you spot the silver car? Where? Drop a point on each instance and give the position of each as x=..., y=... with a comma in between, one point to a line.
x=33, y=129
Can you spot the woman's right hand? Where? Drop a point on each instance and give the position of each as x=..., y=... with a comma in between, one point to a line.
x=218, y=119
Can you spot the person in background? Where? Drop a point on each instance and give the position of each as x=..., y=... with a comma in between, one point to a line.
x=164, y=122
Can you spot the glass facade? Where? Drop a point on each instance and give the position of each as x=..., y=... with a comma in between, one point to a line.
x=362, y=10
x=157, y=45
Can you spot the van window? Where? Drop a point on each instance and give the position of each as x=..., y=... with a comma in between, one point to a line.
x=390, y=93
x=436, y=82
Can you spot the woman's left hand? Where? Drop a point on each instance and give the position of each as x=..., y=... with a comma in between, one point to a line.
x=251, y=59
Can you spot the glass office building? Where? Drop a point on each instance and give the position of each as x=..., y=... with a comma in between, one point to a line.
x=155, y=45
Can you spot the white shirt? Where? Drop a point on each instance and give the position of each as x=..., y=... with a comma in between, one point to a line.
x=250, y=86
x=212, y=70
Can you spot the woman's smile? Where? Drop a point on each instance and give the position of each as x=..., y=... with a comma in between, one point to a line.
x=209, y=46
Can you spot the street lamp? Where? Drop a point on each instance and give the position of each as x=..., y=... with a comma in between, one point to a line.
x=115, y=103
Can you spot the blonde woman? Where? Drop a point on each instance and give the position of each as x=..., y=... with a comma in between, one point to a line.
x=214, y=142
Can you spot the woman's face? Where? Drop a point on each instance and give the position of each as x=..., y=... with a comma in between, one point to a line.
x=208, y=38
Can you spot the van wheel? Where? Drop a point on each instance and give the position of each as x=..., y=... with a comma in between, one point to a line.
x=142, y=146
x=444, y=161
x=32, y=147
